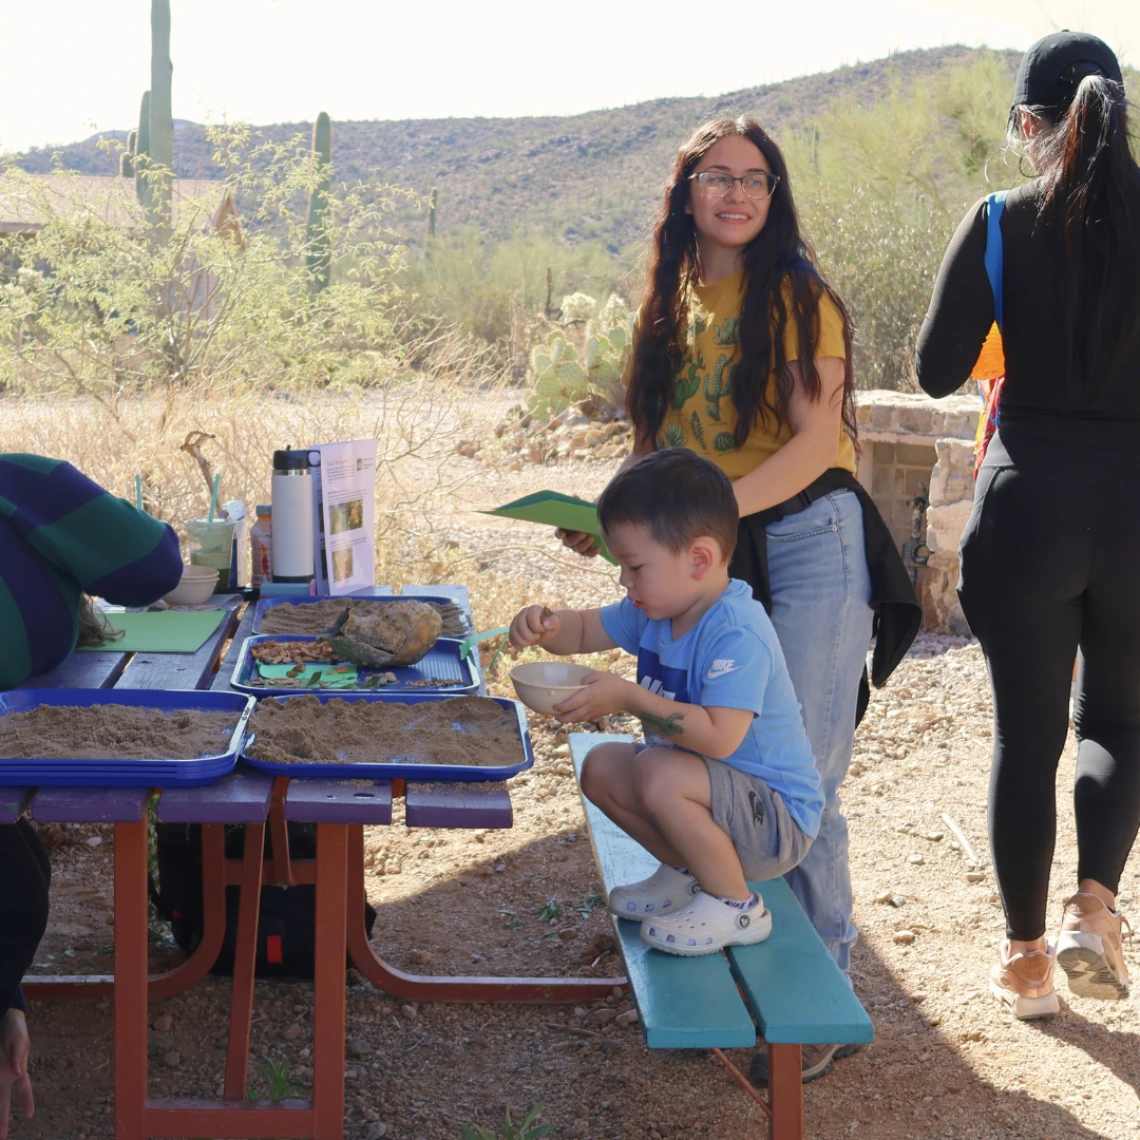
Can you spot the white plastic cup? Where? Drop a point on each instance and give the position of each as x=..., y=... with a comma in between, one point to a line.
x=211, y=544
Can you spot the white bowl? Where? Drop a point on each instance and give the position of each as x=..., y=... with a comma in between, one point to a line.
x=543, y=684
x=196, y=586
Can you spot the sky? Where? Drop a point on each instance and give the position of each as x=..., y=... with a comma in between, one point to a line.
x=83, y=66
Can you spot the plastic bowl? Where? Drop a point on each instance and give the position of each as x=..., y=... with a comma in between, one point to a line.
x=196, y=586
x=543, y=684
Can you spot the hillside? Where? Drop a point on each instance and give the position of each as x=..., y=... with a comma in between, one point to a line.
x=594, y=175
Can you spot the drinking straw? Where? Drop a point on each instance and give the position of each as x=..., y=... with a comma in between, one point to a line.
x=214, y=498
x=138, y=492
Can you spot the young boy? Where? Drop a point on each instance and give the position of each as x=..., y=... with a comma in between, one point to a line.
x=725, y=787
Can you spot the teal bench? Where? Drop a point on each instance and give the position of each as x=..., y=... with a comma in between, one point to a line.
x=787, y=987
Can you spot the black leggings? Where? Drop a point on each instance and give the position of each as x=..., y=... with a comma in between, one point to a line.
x=25, y=876
x=1050, y=563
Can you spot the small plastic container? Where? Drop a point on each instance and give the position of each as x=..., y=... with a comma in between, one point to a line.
x=261, y=546
x=211, y=544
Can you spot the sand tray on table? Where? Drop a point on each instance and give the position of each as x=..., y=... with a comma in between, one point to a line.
x=102, y=738
x=315, y=615
x=440, y=670
x=423, y=738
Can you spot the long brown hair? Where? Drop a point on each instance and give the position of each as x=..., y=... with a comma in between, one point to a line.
x=1091, y=197
x=776, y=257
x=94, y=629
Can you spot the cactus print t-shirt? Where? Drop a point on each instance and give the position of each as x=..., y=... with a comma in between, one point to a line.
x=702, y=415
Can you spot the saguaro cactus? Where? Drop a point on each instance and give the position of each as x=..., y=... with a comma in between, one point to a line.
x=718, y=385
x=127, y=158
x=161, y=142
x=319, y=259
x=142, y=151
x=431, y=213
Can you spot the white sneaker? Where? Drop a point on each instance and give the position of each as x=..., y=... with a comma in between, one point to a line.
x=1090, y=948
x=707, y=925
x=665, y=891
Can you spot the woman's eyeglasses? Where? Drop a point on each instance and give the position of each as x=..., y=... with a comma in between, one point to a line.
x=715, y=184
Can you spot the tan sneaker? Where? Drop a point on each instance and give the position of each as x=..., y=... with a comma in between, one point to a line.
x=1090, y=948
x=1024, y=982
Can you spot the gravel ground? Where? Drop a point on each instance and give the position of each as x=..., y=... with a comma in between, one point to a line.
x=946, y=1061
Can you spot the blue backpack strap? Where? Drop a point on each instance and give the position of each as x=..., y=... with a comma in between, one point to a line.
x=994, y=252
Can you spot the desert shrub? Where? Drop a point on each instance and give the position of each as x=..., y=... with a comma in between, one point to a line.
x=93, y=305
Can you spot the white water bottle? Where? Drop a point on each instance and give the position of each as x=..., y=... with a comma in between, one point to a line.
x=292, y=553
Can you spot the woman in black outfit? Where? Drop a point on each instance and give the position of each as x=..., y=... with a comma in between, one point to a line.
x=1050, y=554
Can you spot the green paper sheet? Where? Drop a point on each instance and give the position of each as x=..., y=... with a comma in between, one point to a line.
x=553, y=509
x=170, y=631
x=328, y=680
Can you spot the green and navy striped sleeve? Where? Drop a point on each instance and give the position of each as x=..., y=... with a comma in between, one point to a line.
x=60, y=534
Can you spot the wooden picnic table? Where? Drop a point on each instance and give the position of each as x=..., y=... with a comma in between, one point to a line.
x=340, y=810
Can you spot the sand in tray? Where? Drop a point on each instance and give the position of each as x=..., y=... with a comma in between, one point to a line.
x=113, y=732
x=302, y=730
x=316, y=617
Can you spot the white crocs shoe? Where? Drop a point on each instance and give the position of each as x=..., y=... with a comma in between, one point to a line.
x=707, y=925
x=665, y=891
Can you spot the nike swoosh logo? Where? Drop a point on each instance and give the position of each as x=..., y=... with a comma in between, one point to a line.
x=712, y=674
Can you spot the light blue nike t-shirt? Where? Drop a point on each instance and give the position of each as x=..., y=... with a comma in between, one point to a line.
x=730, y=659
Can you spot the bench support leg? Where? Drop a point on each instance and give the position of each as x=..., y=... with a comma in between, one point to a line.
x=785, y=1091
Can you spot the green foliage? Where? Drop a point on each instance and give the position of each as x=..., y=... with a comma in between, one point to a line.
x=527, y=1130
x=562, y=373
x=89, y=308
x=590, y=904
x=317, y=259
x=281, y=1084
x=551, y=910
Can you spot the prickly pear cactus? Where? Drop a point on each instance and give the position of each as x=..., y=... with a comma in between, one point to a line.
x=560, y=375
x=687, y=383
x=377, y=637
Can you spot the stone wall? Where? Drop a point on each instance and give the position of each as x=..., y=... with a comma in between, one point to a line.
x=911, y=446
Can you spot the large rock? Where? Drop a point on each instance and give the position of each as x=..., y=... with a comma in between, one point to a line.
x=394, y=634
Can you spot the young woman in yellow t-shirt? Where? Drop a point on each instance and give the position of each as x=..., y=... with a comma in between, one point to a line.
x=743, y=354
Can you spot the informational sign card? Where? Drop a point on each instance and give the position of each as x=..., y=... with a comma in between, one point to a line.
x=344, y=510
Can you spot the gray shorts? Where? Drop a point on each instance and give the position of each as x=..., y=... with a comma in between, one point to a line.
x=767, y=840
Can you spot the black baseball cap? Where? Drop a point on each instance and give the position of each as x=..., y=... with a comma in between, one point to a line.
x=1052, y=69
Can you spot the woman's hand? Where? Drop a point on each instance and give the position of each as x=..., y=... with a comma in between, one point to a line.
x=533, y=626
x=601, y=694
x=14, y=1050
x=580, y=542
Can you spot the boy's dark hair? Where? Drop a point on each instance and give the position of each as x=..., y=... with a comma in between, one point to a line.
x=677, y=496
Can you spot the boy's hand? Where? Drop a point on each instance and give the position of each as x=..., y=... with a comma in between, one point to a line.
x=602, y=694
x=14, y=1050
x=580, y=542
x=533, y=625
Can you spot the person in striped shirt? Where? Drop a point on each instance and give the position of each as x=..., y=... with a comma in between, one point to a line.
x=62, y=539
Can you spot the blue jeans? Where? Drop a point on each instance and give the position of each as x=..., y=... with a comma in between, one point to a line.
x=821, y=590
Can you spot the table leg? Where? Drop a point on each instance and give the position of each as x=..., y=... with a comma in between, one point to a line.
x=785, y=1091
x=184, y=976
x=421, y=987
x=130, y=979
x=245, y=958
x=328, y=981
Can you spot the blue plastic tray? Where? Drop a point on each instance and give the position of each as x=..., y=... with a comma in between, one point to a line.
x=119, y=773
x=265, y=604
x=409, y=771
x=442, y=661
